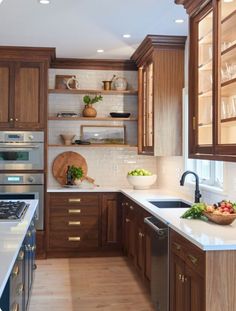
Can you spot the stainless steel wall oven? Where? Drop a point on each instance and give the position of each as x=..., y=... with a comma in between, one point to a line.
x=21, y=150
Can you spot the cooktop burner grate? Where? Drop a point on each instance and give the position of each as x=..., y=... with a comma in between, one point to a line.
x=12, y=210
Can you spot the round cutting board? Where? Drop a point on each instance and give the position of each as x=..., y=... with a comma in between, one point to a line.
x=65, y=159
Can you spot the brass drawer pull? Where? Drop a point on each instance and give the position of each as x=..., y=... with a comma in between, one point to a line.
x=73, y=238
x=21, y=255
x=74, y=211
x=15, y=271
x=193, y=259
x=20, y=289
x=127, y=220
x=74, y=200
x=178, y=247
x=15, y=307
x=131, y=208
x=74, y=223
x=180, y=277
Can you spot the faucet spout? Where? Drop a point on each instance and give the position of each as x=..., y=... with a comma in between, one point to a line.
x=197, y=191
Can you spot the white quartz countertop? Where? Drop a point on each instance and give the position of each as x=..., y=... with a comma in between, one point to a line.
x=204, y=234
x=12, y=234
x=77, y=189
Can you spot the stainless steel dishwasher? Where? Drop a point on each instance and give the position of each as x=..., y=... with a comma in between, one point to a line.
x=160, y=263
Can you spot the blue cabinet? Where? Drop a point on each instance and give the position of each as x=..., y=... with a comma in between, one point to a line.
x=17, y=291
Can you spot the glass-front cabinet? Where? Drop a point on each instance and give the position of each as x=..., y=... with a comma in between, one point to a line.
x=212, y=82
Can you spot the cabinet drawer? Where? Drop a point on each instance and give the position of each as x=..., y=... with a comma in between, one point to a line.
x=73, y=199
x=193, y=256
x=73, y=223
x=73, y=211
x=76, y=239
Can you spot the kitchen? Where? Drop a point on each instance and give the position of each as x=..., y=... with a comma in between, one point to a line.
x=110, y=104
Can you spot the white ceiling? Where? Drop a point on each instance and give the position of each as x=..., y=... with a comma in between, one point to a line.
x=77, y=28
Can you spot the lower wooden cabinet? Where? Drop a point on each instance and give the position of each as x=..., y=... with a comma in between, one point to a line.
x=136, y=237
x=187, y=275
x=79, y=223
x=111, y=221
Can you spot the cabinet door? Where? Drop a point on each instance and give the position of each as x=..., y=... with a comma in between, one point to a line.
x=146, y=125
x=194, y=290
x=177, y=285
x=130, y=235
x=111, y=221
x=201, y=101
x=148, y=253
x=6, y=95
x=30, y=96
x=140, y=238
x=227, y=73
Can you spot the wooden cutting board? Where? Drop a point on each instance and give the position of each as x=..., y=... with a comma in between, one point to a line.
x=65, y=159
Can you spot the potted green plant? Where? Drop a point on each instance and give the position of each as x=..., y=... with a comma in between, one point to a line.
x=76, y=174
x=89, y=110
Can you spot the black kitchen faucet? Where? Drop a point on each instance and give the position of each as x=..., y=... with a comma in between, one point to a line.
x=197, y=191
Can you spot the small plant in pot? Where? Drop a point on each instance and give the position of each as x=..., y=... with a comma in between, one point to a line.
x=89, y=111
x=75, y=173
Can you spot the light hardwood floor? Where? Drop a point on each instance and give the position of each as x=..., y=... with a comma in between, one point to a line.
x=88, y=284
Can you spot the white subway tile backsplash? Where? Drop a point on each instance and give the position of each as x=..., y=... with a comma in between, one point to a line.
x=108, y=166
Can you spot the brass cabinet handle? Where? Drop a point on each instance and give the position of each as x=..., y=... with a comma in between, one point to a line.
x=74, y=200
x=15, y=271
x=180, y=277
x=73, y=238
x=193, y=259
x=11, y=119
x=127, y=220
x=131, y=208
x=20, y=289
x=15, y=307
x=178, y=247
x=141, y=235
x=74, y=223
x=29, y=233
x=74, y=211
x=21, y=255
x=33, y=248
x=16, y=119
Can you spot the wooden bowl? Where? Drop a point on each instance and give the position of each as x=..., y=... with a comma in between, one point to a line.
x=220, y=219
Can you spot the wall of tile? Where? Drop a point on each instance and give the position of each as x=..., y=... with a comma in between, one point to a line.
x=108, y=166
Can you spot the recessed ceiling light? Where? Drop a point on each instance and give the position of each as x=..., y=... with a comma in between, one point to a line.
x=1, y=1
x=227, y=1
x=44, y=1
x=100, y=51
x=126, y=35
x=179, y=21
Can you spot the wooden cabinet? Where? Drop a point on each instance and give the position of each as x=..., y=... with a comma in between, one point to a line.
x=212, y=79
x=74, y=223
x=111, y=221
x=23, y=87
x=136, y=237
x=187, y=275
x=160, y=60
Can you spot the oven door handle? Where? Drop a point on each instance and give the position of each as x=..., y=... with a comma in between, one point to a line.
x=18, y=147
x=159, y=231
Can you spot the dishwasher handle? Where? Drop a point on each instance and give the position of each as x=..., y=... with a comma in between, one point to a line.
x=160, y=231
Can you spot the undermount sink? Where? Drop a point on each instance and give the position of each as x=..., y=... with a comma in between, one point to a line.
x=170, y=204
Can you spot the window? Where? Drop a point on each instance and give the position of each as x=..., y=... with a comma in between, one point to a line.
x=209, y=172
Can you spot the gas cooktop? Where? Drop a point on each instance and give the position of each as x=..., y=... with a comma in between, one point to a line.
x=12, y=210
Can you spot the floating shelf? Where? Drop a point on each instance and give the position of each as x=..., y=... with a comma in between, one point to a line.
x=93, y=146
x=112, y=92
x=91, y=119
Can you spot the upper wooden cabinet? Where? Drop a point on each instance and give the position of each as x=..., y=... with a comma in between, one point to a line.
x=23, y=87
x=160, y=60
x=212, y=80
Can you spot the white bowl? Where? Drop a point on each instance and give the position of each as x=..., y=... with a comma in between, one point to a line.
x=141, y=182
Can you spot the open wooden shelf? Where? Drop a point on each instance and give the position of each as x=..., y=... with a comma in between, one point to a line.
x=112, y=92
x=228, y=88
x=227, y=121
x=91, y=119
x=93, y=146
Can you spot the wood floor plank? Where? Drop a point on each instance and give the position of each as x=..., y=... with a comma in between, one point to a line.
x=88, y=284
